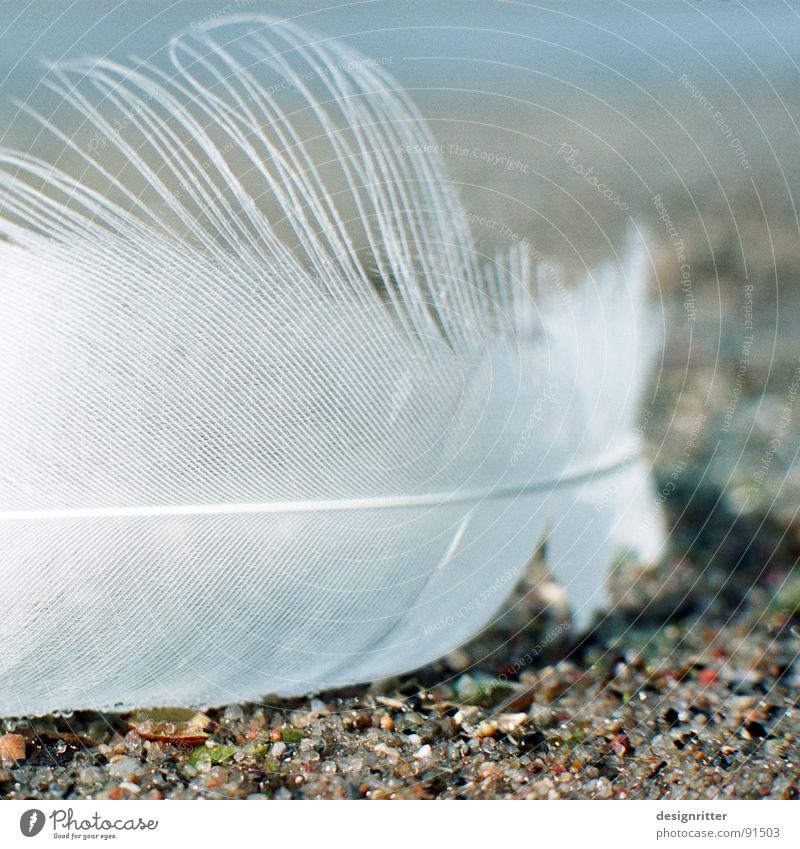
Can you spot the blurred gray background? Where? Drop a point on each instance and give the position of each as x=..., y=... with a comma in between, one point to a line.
x=519, y=80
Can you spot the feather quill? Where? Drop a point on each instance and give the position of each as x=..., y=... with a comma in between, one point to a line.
x=270, y=423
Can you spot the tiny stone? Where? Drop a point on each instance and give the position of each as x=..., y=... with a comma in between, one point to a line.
x=540, y=715
x=487, y=728
x=458, y=659
x=302, y=718
x=621, y=746
x=233, y=713
x=391, y=755
x=90, y=775
x=130, y=787
x=124, y=767
x=508, y=722
x=12, y=747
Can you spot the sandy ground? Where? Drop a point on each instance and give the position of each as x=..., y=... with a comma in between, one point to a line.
x=698, y=703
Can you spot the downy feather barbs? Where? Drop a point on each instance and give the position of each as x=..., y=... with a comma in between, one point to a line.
x=270, y=423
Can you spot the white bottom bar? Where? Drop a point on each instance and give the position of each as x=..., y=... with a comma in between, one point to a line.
x=550, y=824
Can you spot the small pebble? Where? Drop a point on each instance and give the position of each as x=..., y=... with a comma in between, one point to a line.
x=12, y=747
x=130, y=787
x=124, y=767
x=621, y=746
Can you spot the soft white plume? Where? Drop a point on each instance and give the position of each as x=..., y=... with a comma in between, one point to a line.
x=269, y=422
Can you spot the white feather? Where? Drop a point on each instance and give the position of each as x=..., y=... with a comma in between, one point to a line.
x=270, y=424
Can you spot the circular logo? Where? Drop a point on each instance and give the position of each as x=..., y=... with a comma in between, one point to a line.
x=31, y=822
